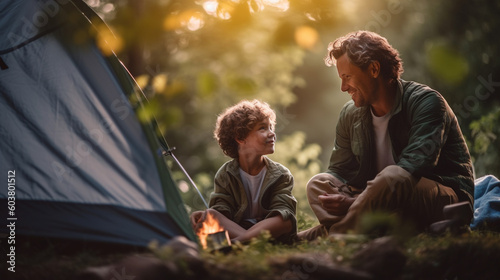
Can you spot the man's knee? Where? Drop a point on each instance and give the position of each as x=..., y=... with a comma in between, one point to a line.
x=323, y=182
x=393, y=185
x=394, y=177
x=316, y=180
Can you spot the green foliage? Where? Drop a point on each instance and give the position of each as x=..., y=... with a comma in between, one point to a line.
x=449, y=45
x=484, y=131
x=302, y=161
x=305, y=220
x=193, y=62
x=446, y=63
x=485, y=142
x=261, y=259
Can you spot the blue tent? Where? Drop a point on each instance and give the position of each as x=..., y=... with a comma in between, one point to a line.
x=75, y=161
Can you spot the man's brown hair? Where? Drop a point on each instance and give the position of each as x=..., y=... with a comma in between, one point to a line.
x=363, y=47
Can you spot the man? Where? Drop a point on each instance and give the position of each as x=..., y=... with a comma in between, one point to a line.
x=398, y=145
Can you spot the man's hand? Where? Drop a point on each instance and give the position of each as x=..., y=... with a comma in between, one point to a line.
x=335, y=204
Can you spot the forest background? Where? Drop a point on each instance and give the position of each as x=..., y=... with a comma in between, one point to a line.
x=195, y=58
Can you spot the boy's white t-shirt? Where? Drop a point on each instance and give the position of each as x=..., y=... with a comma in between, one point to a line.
x=382, y=141
x=253, y=186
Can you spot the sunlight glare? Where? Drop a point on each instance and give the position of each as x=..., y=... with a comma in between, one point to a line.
x=183, y=186
x=171, y=22
x=255, y=6
x=108, y=8
x=195, y=22
x=349, y=7
x=280, y=4
x=107, y=42
x=190, y=19
x=160, y=83
x=211, y=7
x=306, y=37
x=142, y=81
x=93, y=3
x=225, y=10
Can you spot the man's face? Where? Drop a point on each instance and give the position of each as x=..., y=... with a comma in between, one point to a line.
x=358, y=83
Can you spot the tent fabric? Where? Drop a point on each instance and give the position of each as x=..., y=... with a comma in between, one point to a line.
x=85, y=167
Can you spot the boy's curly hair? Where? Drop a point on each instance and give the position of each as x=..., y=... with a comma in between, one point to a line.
x=237, y=121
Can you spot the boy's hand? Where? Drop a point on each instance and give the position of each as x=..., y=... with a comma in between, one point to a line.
x=196, y=218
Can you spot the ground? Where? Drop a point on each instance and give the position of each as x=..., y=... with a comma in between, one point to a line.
x=467, y=255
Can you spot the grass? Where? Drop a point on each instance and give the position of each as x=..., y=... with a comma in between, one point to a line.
x=471, y=255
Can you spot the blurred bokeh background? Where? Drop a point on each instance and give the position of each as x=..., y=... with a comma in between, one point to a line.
x=195, y=58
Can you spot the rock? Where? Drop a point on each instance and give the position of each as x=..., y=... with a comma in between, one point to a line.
x=319, y=266
x=457, y=219
x=184, y=262
x=383, y=258
x=461, y=212
x=184, y=247
x=133, y=267
x=94, y=273
x=187, y=252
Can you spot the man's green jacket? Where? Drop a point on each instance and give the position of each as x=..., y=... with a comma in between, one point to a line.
x=426, y=141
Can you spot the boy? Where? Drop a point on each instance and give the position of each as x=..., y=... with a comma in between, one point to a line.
x=251, y=193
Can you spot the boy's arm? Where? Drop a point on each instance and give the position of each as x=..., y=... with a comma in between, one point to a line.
x=275, y=225
x=283, y=203
x=221, y=199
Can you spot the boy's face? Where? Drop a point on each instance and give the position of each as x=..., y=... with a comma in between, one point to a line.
x=260, y=141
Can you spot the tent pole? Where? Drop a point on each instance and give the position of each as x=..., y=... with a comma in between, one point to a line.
x=170, y=152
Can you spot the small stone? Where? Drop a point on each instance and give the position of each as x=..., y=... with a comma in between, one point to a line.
x=137, y=267
x=187, y=251
x=382, y=257
x=319, y=266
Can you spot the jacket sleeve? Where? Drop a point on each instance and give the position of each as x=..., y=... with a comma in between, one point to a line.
x=430, y=119
x=221, y=198
x=344, y=161
x=282, y=201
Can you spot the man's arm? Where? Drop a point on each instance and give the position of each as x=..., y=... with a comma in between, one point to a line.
x=429, y=125
x=343, y=160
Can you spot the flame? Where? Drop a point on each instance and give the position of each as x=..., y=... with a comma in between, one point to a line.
x=210, y=225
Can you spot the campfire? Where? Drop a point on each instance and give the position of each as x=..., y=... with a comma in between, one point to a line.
x=212, y=235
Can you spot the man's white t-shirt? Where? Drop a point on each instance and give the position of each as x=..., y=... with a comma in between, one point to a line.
x=383, y=145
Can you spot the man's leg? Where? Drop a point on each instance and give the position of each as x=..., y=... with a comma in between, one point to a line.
x=318, y=185
x=390, y=188
x=396, y=190
x=427, y=203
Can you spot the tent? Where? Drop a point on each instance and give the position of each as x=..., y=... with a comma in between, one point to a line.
x=75, y=161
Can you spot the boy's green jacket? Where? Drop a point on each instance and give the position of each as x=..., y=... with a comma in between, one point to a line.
x=230, y=199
